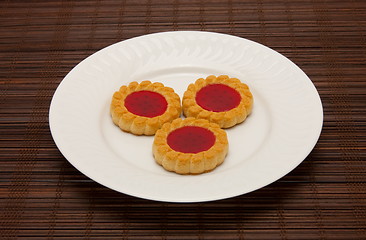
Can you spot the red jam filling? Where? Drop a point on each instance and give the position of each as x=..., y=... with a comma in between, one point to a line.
x=191, y=139
x=146, y=103
x=218, y=98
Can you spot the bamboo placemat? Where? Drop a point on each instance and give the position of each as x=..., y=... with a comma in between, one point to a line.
x=43, y=197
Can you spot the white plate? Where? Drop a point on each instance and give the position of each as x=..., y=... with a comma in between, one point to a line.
x=282, y=130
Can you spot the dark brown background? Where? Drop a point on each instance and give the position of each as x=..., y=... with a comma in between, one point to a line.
x=43, y=197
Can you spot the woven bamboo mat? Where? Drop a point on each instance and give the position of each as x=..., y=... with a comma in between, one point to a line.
x=43, y=197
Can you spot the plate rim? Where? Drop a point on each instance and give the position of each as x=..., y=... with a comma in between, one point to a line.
x=192, y=200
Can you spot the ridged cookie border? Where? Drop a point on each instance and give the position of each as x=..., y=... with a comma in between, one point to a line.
x=140, y=125
x=225, y=119
x=190, y=163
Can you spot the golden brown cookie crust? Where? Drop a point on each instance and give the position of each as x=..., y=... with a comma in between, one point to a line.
x=224, y=119
x=189, y=163
x=140, y=125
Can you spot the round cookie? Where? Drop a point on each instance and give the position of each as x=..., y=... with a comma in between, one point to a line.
x=221, y=100
x=190, y=146
x=143, y=108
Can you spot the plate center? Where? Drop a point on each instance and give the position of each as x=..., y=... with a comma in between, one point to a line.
x=245, y=139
